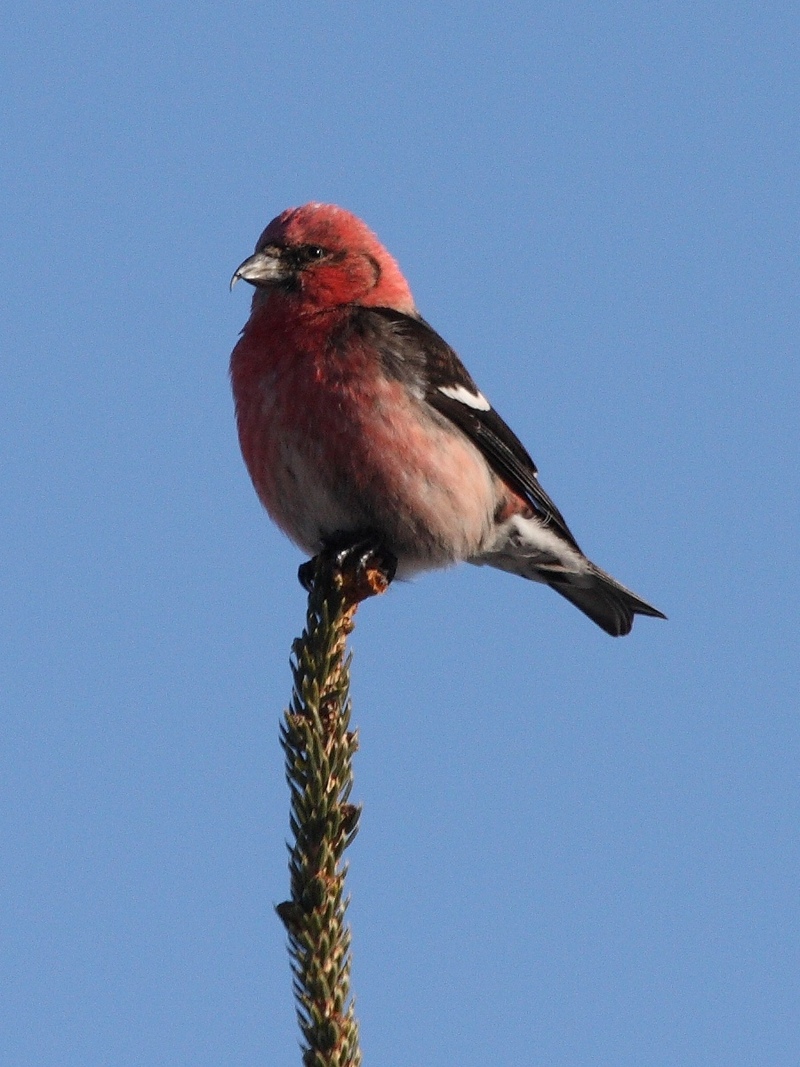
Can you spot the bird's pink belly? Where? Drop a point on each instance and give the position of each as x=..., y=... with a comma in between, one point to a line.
x=371, y=461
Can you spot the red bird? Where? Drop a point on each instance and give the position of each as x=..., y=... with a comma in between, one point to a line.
x=360, y=426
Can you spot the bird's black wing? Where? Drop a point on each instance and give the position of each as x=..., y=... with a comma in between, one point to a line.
x=414, y=353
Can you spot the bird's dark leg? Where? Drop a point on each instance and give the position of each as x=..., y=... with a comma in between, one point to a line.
x=359, y=560
x=306, y=572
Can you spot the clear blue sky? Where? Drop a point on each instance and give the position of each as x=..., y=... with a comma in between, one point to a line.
x=575, y=851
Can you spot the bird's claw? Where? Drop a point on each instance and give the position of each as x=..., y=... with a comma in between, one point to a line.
x=360, y=567
x=306, y=573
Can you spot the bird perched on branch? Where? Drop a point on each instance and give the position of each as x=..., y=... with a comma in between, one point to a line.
x=363, y=431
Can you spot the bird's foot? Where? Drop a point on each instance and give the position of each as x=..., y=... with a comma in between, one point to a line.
x=358, y=564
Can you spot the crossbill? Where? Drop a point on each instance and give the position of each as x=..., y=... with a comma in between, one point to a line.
x=360, y=425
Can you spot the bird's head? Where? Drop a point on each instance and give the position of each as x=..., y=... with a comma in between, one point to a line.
x=324, y=257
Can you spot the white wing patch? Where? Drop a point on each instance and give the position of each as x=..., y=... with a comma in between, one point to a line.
x=464, y=396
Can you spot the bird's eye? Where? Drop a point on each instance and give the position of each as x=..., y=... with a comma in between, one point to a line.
x=302, y=256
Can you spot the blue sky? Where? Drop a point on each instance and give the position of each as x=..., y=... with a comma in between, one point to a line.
x=574, y=851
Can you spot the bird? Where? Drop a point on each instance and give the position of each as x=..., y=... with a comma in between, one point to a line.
x=360, y=426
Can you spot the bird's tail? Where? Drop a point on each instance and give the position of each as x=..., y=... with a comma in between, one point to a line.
x=603, y=599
